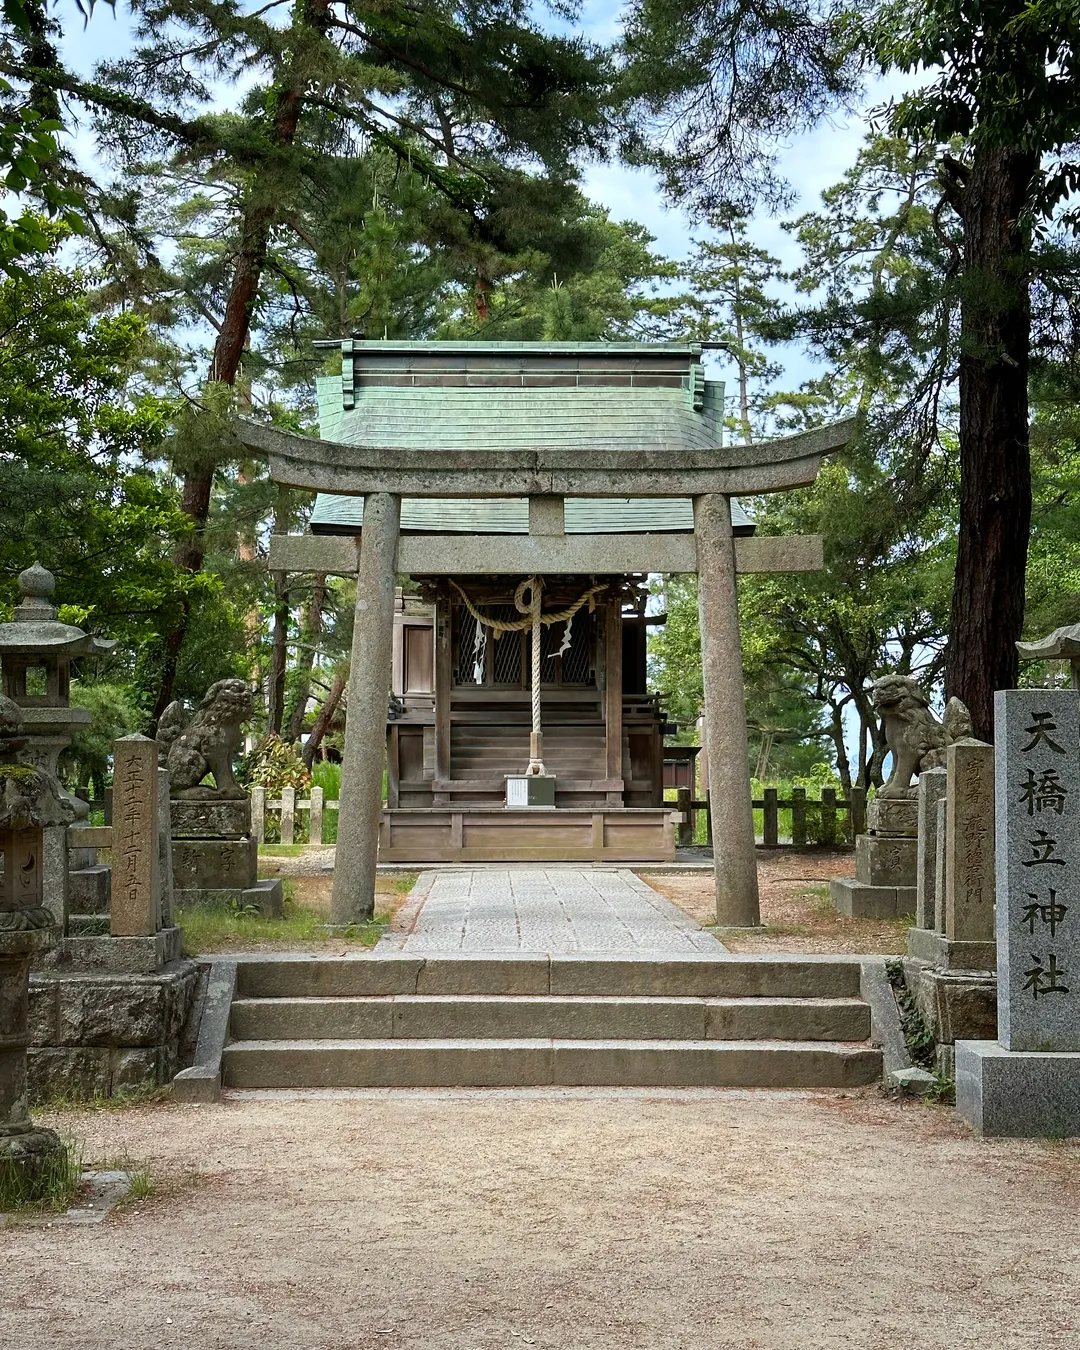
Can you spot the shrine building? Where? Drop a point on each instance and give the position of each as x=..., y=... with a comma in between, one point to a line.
x=526, y=491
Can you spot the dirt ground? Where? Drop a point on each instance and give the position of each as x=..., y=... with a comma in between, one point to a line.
x=741, y=1221
x=796, y=913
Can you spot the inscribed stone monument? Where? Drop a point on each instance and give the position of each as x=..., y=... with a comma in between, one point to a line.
x=1027, y=1082
x=136, y=894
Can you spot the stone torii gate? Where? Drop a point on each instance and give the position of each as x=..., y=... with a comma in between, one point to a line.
x=383, y=475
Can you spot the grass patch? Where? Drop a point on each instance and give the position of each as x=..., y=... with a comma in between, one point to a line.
x=49, y=1189
x=141, y=1186
x=144, y=1095
x=222, y=928
x=283, y=850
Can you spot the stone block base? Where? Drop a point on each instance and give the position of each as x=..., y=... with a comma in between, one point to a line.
x=895, y=816
x=123, y=955
x=957, y=1005
x=210, y=820
x=861, y=901
x=266, y=896
x=882, y=860
x=937, y=950
x=214, y=864
x=1021, y=1094
x=88, y=889
x=96, y=1035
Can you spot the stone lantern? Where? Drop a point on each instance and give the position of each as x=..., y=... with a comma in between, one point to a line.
x=36, y=652
x=30, y=803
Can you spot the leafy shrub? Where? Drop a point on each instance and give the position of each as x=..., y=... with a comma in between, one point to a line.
x=274, y=765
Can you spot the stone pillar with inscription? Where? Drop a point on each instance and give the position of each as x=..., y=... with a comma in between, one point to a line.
x=1027, y=1082
x=135, y=902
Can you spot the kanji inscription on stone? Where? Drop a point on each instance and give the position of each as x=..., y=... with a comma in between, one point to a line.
x=135, y=895
x=1037, y=787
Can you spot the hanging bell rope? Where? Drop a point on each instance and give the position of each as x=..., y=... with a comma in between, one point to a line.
x=534, y=619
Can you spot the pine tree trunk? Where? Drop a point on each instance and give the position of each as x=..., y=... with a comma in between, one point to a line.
x=259, y=213
x=305, y=659
x=843, y=764
x=279, y=651
x=323, y=721
x=995, y=467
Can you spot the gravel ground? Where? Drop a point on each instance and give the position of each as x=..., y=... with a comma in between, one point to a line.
x=796, y=912
x=490, y=1222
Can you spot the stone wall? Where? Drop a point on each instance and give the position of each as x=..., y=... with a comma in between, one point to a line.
x=99, y=1035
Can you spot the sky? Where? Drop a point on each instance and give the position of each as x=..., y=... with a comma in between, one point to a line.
x=811, y=162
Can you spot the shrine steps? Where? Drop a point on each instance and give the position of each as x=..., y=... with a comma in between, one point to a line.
x=533, y=1021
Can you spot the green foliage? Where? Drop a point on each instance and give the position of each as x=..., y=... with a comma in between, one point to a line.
x=49, y=1188
x=715, y=89
x=85, y=763
x=76, y=488
x=274, y=765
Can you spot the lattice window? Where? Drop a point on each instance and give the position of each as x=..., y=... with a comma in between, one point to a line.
x=506, y=659
x=465, y=646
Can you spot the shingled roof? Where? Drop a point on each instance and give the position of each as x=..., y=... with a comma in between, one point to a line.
x=520, y=396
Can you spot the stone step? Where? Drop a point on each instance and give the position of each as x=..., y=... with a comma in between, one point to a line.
x=539, y=1062
x=420, y=1016
x=651, y=975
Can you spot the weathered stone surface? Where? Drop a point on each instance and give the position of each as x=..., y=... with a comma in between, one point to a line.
x=936, y=949
x=210, y=819
x=893, y=816
x=43, y=1011
x=969, y=841
x=871, y=902
x=123, y=956
x=1016, y=1094
x=214, y=864
x=1037, y=742
x=941, y=865
x=916, y=739
x=958, y=1006
x=64, y=1071
x=931, y=791
x=133, y=908
x=134, y=1069
x=109, y=1033
x=88, y=890
x=885, y=861
x=207, y=743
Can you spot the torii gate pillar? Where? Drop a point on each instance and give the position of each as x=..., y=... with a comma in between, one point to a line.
x=357, y=853
x=731, y=812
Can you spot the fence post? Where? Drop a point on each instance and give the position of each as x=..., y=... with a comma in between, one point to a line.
x=258, y=814
x=828, y=815
x=769, y=834
x=684, y=834
x=708, y=819
x=108, y=805
x=798, y=817
x=288, y=815
x=857, y=812
x=315, y=826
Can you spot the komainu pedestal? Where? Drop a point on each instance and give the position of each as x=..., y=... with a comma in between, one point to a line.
x=216, y=858
x=885, y=863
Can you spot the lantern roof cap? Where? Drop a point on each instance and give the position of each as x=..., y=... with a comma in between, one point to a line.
x=36, y=628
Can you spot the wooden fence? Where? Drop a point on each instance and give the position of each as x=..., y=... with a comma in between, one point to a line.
x=819, y=820
x=289, y=806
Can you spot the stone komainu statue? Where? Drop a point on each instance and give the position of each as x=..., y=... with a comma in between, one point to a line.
x=916, y=738
x=207, y=743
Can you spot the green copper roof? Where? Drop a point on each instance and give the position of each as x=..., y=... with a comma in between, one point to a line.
x=487, y=418
x=510, y=515
x=447, y=396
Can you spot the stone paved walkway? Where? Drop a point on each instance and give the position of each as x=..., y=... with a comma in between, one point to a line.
x=553, y=910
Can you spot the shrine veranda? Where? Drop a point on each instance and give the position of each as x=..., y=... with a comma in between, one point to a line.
x=471, y=468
